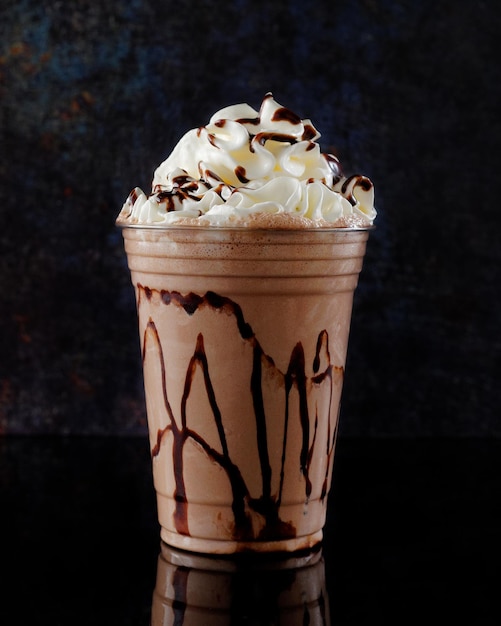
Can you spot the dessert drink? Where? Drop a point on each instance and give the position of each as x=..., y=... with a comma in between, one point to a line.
x=191, y=590
x=244, y=260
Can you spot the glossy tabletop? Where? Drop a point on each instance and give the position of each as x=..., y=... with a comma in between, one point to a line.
x=412, y=538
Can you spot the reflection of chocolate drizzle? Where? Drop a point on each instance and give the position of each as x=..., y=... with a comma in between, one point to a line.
x=267, y=504
x=180, y=589
x=253, y=594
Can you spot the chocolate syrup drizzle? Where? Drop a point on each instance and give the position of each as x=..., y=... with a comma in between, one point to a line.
x=243, y=505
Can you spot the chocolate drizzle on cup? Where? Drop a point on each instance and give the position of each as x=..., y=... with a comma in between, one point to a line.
x=244, y=506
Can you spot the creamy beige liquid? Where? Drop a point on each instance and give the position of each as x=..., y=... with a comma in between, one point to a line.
x=244, y=336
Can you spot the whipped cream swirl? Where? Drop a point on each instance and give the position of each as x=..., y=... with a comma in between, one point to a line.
x=246, y=164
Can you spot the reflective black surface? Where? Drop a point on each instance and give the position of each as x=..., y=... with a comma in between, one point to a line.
x=412, y=538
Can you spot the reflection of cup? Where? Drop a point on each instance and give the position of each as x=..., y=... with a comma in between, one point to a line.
x=192, y=590
x=244, y=335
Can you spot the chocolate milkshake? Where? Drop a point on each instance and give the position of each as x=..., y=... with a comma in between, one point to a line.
x=244, y=290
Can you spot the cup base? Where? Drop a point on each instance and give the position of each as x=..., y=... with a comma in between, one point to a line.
x=214, y=546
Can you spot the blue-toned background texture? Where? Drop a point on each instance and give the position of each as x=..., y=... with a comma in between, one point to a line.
x=94, y=95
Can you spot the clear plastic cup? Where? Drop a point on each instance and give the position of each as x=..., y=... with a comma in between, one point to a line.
x=243, y=335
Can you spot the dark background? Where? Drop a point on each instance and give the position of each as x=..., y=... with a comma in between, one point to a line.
x=94, y=95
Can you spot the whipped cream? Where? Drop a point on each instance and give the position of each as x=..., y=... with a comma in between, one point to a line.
x=245, y=165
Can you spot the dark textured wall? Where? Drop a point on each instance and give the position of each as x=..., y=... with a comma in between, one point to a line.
x=94, y=95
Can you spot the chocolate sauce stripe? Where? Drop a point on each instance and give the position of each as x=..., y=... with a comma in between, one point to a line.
x=180, y=436
x=239, y=488
x=181, y=512
x=200, y=358
x=268, y=504
x=152, y=328
x=296, y=376
x=260, y=415
x=284, y=450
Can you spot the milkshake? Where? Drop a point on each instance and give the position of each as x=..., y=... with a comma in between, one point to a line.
x=244, y=260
